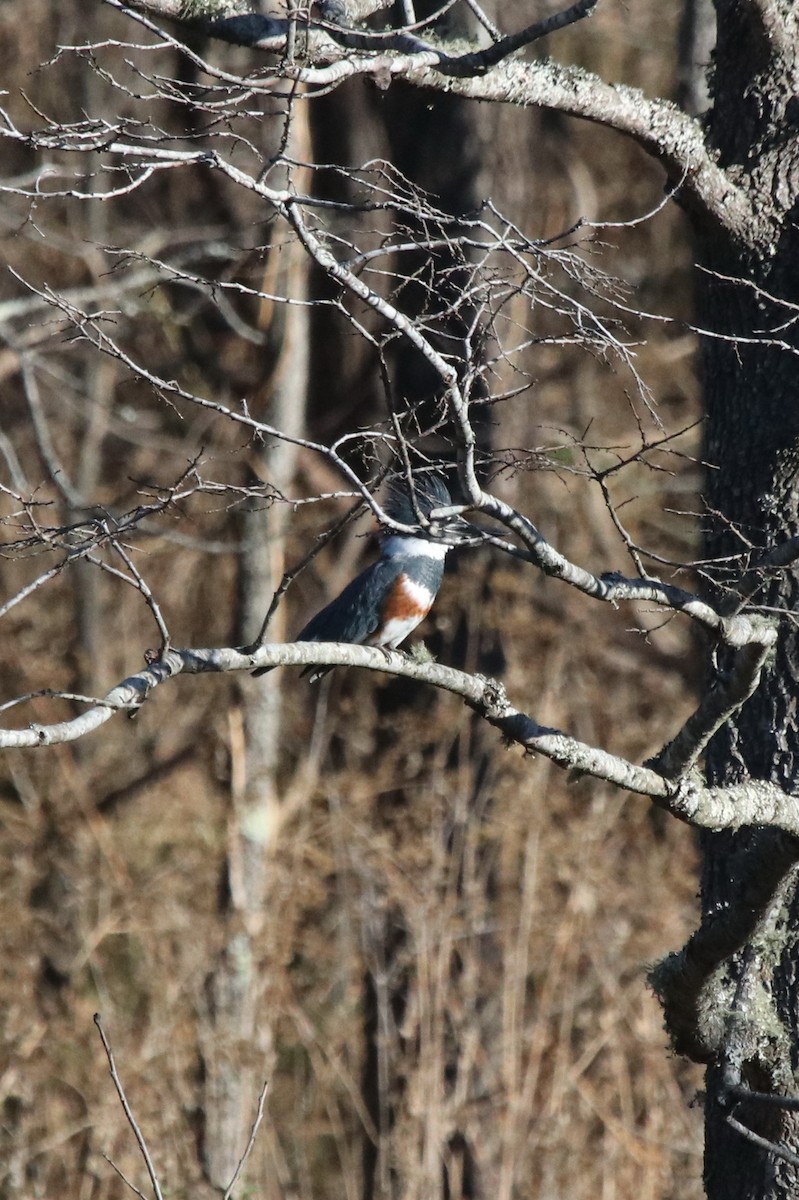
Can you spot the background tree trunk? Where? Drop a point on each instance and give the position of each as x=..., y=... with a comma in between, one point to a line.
x=238, y=1050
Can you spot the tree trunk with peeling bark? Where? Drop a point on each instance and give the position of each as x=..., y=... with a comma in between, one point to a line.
x=752, y=399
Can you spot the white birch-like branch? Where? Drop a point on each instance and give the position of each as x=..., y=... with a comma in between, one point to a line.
x=753, y=803
x=333, y=54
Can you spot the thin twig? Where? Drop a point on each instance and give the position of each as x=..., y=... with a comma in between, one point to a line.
x=742, y=1093
x=292, y=572
x=137, y=1133
x=54, y=694
x=251, y=1142
x=152, y=604
x=44, y=442
x=123, y=1176
x=764, y=1143
x=484, y=19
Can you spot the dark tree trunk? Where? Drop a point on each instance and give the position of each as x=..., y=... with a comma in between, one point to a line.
x=753, y=503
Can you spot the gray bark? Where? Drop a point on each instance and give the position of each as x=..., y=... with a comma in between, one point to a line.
x=752, y=435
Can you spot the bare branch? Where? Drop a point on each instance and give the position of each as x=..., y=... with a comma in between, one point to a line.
x=666, y=133
x=235, y=23
x=128, y=1183
x=721, y=700
x=44, y=442
x=142, y=586
x=137, y=1133
x=753, y=803
x=779, y=1151
x=476, y=62
x=681, y=978
x=250, y=1142
x=613, y=588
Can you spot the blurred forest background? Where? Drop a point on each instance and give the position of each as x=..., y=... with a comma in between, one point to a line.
x=445, y=976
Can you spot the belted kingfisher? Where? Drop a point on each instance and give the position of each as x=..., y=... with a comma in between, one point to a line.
x=386, y=602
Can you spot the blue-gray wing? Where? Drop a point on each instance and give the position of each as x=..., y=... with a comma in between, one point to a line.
x=355, y=614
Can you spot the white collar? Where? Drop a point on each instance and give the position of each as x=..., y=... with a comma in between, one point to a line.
x=398, y=545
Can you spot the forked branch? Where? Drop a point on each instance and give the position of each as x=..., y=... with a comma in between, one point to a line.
x=687, y=799
x=332, y=52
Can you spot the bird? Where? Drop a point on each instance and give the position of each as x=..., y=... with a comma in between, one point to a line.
x=385, y=603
